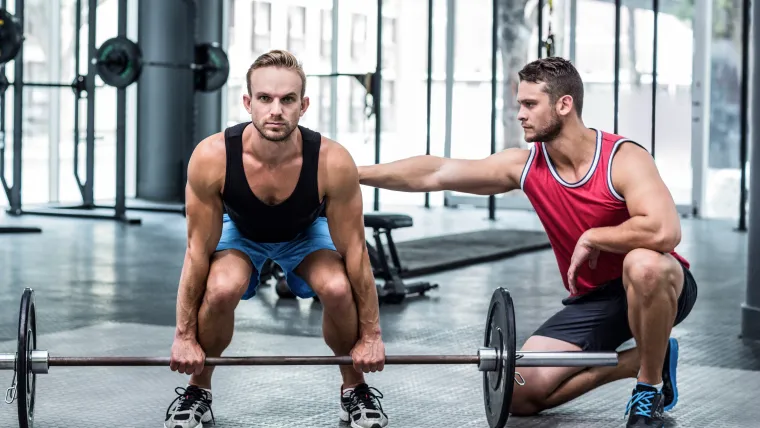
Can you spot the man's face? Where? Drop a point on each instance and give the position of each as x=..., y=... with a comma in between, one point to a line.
x=275, y=104
x=540, y=118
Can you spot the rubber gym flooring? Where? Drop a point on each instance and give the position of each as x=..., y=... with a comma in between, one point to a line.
x=109, y=289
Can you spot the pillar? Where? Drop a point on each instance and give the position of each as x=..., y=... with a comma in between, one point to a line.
x=751, y=306
x=209, y=105
x=164, y=99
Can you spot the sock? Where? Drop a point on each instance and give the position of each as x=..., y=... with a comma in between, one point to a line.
x=658, y=387
x=205, y=389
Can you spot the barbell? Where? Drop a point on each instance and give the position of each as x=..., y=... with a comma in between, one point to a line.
x=498, y=359
x=119, y=60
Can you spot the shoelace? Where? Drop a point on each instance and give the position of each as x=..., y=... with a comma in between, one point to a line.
x=643, y=402
x=365, y=399
x=188, y=397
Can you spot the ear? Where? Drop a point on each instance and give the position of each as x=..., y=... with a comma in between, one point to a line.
x=564, y=105
x=247, y=102
x=304, y=105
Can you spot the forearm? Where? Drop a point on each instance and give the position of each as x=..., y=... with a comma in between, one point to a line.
x=636, y=232
x=407, y=175
x=192, y=287
x=362, y=282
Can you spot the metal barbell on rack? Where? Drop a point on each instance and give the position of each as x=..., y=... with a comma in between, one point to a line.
x=119, y=61
x=498, y=359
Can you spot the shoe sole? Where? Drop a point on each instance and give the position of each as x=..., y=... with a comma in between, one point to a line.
x=200, y=424
x=673, y=365
x=345, y=418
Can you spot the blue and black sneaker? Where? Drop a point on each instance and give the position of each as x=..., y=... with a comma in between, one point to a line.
x=645, y=407
x=669, y=386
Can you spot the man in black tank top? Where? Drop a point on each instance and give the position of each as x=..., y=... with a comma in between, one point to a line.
x=264, y=190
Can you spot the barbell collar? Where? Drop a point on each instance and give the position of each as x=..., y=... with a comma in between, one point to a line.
x=566, y=359
x=488, y=359
x=40, y=362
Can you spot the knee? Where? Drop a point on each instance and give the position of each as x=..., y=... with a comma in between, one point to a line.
x=527, y=401
x=224, y=290
x=335, y=292
x=647, y=272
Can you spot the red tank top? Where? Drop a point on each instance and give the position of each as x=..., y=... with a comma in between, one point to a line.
x=567, y=210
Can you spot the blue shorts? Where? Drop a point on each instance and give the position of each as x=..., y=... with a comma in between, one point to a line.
x=288, y=255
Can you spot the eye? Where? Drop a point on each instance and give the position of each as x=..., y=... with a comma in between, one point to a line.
x=264, y=98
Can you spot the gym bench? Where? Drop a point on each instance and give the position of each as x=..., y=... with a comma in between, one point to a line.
x=394, y=290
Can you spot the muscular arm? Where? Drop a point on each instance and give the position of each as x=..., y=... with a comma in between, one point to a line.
x=654, y=222
x=346, y=222
x=498, y=173
x=204, y=228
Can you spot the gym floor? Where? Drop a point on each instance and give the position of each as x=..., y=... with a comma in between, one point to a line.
x=108, y=289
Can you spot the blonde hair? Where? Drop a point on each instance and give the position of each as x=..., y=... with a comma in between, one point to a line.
x=281, y=59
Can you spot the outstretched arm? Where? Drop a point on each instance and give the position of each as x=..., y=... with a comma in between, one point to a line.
x=346, y=222
x=654, y=222
x=204, y=228
x=498, y=173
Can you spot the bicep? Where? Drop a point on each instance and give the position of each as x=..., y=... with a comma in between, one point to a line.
x=498, y=173
x=345, y=208
x=203, y=205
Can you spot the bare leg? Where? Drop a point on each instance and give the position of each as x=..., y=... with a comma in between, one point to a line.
x=653, y=283
x=325, y=272
x=548, y=387
x=529, y=399
x=594, y=377
x=229, y=275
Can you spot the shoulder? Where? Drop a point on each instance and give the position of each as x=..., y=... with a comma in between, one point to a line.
x=513, y=161
x=337, y=169
x=335, y=157
x=207, y=164
x=630, y=163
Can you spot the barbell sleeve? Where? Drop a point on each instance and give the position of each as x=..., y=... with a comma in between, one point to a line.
x=566, y=359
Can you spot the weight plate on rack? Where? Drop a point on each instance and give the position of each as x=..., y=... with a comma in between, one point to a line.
x=118, y=62
x=11, y=36
x=213, y=67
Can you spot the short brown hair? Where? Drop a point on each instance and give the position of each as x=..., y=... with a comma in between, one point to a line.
x=559, y=75
x=281, y=59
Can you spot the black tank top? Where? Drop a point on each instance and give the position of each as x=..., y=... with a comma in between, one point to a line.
x=261, y=222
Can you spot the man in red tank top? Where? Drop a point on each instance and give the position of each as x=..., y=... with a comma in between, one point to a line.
x=613, y=227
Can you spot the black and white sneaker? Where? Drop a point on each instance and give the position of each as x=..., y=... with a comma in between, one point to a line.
x=191, y=408
x=361, y=406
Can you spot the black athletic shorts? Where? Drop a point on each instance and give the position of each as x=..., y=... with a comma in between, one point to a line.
x=598, y=320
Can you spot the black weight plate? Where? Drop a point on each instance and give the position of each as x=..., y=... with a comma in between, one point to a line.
x=26, y=380
x=11, y=36
x=213, y=67
x=118, y=62
x=500, y=334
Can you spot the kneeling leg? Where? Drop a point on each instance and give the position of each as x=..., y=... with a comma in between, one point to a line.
x=549, y=387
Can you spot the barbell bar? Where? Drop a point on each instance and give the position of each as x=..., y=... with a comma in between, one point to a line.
x=485, y=359
x=497, y=359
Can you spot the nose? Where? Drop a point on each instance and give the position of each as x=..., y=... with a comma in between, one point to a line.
x=522, y=115
x=276, y=108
